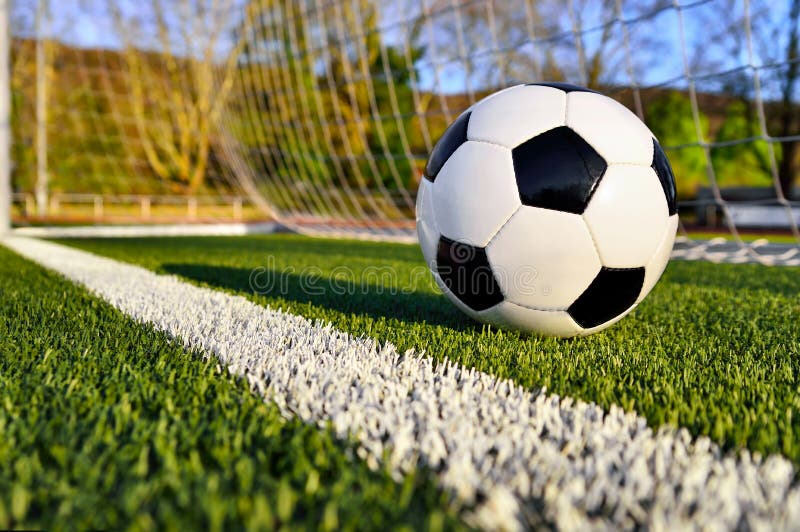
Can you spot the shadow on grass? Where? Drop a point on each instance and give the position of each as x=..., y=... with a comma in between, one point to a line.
x=352, y=296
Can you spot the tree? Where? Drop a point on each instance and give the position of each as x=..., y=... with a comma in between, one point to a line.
x=373, y=79
x=334, y=98
x=746, y=163
x=767, y=35
x=671, y=120
x=527, y=40
x=295, y=128
x=178, y=93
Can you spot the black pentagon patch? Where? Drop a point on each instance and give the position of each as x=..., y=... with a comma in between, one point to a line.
x=557, y=170
x=566, y=87
x=611, y=293
x=455, y=136
x=665, y=175
x=466, y=272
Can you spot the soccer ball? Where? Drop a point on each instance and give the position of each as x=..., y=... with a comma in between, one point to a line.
x=547, y=208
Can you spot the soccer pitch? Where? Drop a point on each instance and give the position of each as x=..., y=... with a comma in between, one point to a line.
x=712, y=350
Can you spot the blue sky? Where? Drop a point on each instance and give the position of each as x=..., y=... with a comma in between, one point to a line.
x=88, y=23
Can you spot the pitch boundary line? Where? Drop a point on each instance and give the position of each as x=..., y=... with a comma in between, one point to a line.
x=511, y=452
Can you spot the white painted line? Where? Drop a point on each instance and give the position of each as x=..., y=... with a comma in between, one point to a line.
x=491, y=442
x=128, y=231
x=216, y=229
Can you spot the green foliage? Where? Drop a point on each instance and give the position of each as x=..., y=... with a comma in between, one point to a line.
x=743, y=164
x=714, y=348
x=107, y=424
x=671, y=121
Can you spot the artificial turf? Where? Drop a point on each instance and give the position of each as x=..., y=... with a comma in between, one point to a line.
x=714, y=348
x=107, y=424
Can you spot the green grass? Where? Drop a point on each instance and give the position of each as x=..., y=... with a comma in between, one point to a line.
x=107, y=424
x=714, y=348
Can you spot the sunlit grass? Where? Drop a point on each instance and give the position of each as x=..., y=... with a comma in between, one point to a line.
x=714, y=348
x=107, y=424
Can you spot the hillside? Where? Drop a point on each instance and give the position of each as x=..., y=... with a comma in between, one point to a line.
x=99, y=133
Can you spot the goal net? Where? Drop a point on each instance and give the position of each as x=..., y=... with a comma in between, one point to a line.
x=322, y=112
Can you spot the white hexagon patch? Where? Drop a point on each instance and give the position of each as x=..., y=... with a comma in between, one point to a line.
x=616, y=133
x=475, y=193
x=427, y=231
x=515, y=115
x=627, y=216
x=543, y=259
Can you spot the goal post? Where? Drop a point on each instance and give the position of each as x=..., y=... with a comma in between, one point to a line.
x=5, y=118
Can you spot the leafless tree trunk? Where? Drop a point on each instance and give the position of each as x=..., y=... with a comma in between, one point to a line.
x=531, y=40
x=177, y=95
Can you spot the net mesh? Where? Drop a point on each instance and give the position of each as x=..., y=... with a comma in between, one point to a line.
x=323, y=112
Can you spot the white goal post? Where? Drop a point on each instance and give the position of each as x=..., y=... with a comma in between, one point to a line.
x=5, y=120
x=322, y=112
